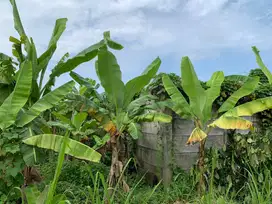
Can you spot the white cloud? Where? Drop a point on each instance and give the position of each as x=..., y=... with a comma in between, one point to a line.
x=204, y=7
x=147, y=28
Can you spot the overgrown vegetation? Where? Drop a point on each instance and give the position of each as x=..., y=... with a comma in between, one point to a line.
x=76, y=145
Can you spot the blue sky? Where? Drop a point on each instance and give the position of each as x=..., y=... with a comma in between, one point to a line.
x=215, y=34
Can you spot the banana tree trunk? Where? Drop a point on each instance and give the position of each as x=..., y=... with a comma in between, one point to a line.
x=116, y=169
x=201, y=185
x=31, y=176
x=114, y=162
x=124, y=153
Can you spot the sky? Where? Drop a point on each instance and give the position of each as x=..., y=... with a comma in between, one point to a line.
x=215, y=34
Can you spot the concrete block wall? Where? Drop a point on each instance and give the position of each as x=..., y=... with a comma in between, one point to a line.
x=186, y=156
x=165, y=144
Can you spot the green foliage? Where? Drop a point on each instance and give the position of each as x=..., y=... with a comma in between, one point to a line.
x=247, y=88
x=32, y=195
x=45, y=103
x=11, y=162
x=122, y=112
x=228, y=87
x=44, y=59
x=74, y=178
x=157, y=88
x=7, y=70
x=258, y=73
x=264, y=90
x=259, y=186
x=17, y=101
x=136, y=84
x=64, y=145
x=110, y=43
x=97, y=118
x=78, y=180
x=250, y=108
x=182, y=188
x=242, y=154
x=88, y=87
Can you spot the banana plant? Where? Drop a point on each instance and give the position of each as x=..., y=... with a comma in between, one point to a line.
x=124, y=113
x=199, y=107
x=63, y=145
x=30, y=98
x=15, y=112
x=25, y=95
x=72, y=113
x=40, y=63
x=14, y=109
x=80, y=127
x=117, y=110
x=77, y=126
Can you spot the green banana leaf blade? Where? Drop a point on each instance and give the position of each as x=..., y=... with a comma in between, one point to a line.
x=250, y=108
x=74, y=148
x=134, y=130
x=136, y=84
x=109, y=73
x=192, y=87
x=259, y=61
x=18, y=98
x=181, y=107
x=248, y=87
x=45, y=103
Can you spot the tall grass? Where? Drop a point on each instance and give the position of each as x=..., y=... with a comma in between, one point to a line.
x=99, y=193
x=212, y=195
x=260, y=186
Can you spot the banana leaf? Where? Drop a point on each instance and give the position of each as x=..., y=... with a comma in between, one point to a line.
x=110, y=76
x=192, y=87
x=250, y=108
x=74, y=148
x=259, y=61
x=153, y=117
x=112, y=44
x=136, y=84
x=248, y=87
x=212, y=93
x=44, y=59
x=197, y=135
x=84, y=56
x=18, y=98
x=180, y=105
x=134, y=129
x=230, y=122
x=45, y=103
